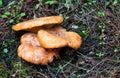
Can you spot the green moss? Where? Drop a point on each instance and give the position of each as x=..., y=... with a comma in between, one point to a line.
x=3, y=72
x=23, y=70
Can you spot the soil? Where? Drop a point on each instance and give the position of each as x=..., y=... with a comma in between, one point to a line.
x=98, y=23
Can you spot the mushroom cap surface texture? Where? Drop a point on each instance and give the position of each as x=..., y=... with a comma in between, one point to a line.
x=58, y=37
x=30, y=38
x=37, y=23
x=74, y=40
x=48, y=40
x=57, y=31
x=35, y=53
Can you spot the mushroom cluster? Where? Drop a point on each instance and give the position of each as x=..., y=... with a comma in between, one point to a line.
x=45, y=39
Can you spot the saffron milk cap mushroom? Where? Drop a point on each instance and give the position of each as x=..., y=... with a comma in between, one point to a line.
x=32, y=52
x=30, y=38
x=35, y=24
x=74, y=40
x=58, y=37
x=48, y=40
x=36, y=54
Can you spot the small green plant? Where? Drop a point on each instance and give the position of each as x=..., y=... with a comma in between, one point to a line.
x=101, y=13
x=94, y=1
x=1, y=3
x=117, y=49
x=18, y=66
x=50, y=2
x=10, y=4
x=119, y=10
x=100, y=54
x=11, y=20
x=24, y=72
x=5, y=50
x=20, y=16
x=40, y=1
x=101, y=40
x=67, y=5
x=14, y=13
x=37, y=6
x=56, y=68
x=64, y=16
x=117, y=60
x=102, y=27
x=107, y=3
x=76, y=75
x=115, y=2
x=3, y=72
x=84, y=33
x=89, y=3
x=70, y=3
x=17, y=18
x=80, y=12
x=5, y=45
x=6, y=14
x=100, y=37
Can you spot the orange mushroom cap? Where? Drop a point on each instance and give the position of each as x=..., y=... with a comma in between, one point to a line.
x=36, y=54
x=74, y=40
x=58, y=37
x=48, y=40
x=31, y=51
x=30, y=38
x=37, y=23
x=57, y=31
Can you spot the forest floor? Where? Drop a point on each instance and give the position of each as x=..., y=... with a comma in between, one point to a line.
x=96, y=21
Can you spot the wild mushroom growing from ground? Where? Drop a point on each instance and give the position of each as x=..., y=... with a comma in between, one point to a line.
x=48, y=38
x=35, y=24
x=32, y=52
x=73, y=39
x=30, y=38
x=58, y=37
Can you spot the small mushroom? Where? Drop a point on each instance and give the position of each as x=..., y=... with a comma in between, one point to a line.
x=35, y=24
x=32, y=52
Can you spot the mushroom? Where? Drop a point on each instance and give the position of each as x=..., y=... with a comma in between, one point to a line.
x=32, y=52
x=35, y=24
x=73, y=39
x=30, y=38
x=36, y=54
x=48, y=38
x=58, y=31
x=58, y=37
